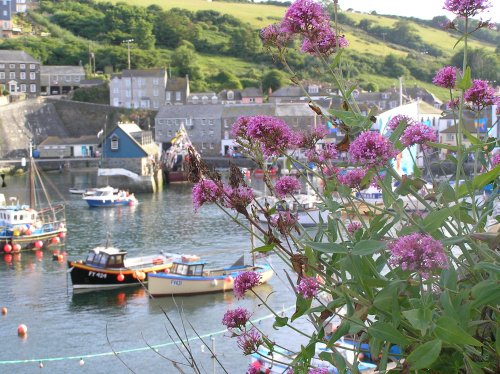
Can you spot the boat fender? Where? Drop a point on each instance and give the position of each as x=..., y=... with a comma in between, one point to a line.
x=214, y=282
x=229, y=279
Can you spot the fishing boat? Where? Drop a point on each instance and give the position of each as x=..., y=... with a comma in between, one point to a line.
x=109, y=196
x=188, y=276
x=31, y=226
x=174, y=160
x=108, y=267
x=304, y=206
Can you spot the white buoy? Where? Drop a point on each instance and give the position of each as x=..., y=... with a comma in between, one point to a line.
x=81, y=363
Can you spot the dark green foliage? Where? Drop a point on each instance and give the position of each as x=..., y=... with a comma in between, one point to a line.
x=227, y=80
x=486, y=64
x=274, y=79
x=98, y=95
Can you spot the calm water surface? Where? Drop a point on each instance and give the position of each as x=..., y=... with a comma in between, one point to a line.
x=62, y=326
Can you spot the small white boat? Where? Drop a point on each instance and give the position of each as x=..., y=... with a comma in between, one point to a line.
x=189, y=277
x=109, y=196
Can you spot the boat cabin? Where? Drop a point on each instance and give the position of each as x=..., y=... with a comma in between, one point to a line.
x=15, y=215
x=106, y=257
x=189, y=269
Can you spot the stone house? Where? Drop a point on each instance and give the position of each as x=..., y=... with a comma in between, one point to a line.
x=177, y=91
x=128, y=147
x=143, y=88
x=8, y=8
x=202, y=98
x=56, y=147
x=19, y=73
x=250, y=95
x=60, y=79
x=202, y=123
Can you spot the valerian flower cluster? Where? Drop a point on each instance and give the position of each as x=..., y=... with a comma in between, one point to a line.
x=404, y=267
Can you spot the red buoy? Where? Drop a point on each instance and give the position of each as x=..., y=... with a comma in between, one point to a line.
x=16, y=247
x=38, y=244
x=120, y=277
x=4, y=311
x=8, y=258
x=7, y=248
x=55, y=240
x=62, y=235
x=130, y=203
x=28, y=232
x=22, y=330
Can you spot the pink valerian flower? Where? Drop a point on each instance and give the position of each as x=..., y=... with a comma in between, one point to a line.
x=308, y=287
x=274, y=36
x=352, y=178
x=480, y=95
x=324, y=43
x=244, y=282
x=418, y=134
x=205, y=191
x=287, y=186
x=249, y=341
x=495, y=160
x=236, y=318
x=305, y=17
x=239, y=129
x=318, y=371
x=397, y=119
x=353, y=227
x=252, y=369
x=370, y=148
x=284, y=221
x=453, y=104
x=446, y=77
x=418, y=252
x=466, y=8
x=273, y=134
x=309, y=139
x=329, y=152
x=237, y=198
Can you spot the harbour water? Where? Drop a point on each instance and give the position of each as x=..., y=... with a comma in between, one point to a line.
x=113, y=331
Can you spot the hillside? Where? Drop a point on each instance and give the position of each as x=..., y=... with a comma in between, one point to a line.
x=217, y=45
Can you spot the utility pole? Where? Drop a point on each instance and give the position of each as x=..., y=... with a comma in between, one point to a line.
x=128, y=41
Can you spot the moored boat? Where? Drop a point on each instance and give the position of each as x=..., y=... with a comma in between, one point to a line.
x=107, y=267
x=109, y=196
x=188, y=276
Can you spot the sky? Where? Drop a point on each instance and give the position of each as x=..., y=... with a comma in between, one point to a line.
x=425, y=9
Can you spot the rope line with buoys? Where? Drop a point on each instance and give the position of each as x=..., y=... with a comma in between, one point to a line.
x=114, y=353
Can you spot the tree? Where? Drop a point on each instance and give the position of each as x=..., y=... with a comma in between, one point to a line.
x=227, y=80
x=486, y=64
x=142, y=33
x=273, y=80
x=185, y=61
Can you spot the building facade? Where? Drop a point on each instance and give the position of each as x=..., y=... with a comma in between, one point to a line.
x=19, y=73
x=138, y=89
x=61, y=79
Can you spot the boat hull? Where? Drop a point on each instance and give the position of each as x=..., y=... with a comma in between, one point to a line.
x=27, y=242
x=95, y=203
x=165, y=284
x=89, y=277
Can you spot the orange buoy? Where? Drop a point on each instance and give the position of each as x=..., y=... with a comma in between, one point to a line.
x=229, y=279
x=60, y=258
x=55, y=240
x=16, y=247
x=22, y=330
x=167, y=270
x=120, y=277
x=7, y=248
x=4, y=311
x=38, y=244
x=28, y=232
x=62, y=235
x=141, y=276
x=134, y=275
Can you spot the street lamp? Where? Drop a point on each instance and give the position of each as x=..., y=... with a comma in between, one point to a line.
x=128, y=41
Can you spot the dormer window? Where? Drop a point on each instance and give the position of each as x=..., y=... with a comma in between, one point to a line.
x=114, y=143
x=214, y=99
x=204, y=99
x=230, y=95
x=313, y=89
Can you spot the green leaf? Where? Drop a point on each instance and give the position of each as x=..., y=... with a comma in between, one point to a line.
x=447, y=192
x=479, y=181
x=328, y=247
x=435, y=219
x=340, y=332
x=488, y=266
x=453, y=240
x=425, y=355
x=419, y=318
x=453, y=148
x=497, y=343
x=334, y=358
x=484, y=293
x=448, y=330
x=388, y=333
x=301, y=306
x=280, y=322
x=466, y=81
x=384, y=297
x=264, y=249
x=471, y=138
x=367, y=247
x=351, y=119
x=464, y=216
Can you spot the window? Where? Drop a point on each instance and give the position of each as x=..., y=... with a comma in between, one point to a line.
x=450, y=137
x=32, y=76
x=226, y=124
x=156, y=104
x=22, y=66
x=2, y=75
x=211, y=132
x=141, y=82
x=12, y=66
x=313, y=89
x=5, y=14
x=230, y=95
x=114, y=143
x=32, y=66
x=211, y=122
x=203, y=146
x=178, y=96
x=211, y=145
x=203, y=121
x=12, y=75
x=67, y=78
x=2, y=66
x=77, y=79
x=168, y=96
x=156, y=81
x=23, y=88
x=203, y=133
x=169, y=122
x=116, y=90
x=127, y=82
x=32, y=87
x=127, y=93
x=22, y=75
x=156, y=92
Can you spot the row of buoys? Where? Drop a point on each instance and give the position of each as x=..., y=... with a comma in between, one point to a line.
x=139, y=275
x=16, y=247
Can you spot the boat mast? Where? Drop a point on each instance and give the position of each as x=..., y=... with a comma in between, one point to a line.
x=31, y=166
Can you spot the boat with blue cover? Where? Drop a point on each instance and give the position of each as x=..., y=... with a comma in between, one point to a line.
x=109, y=196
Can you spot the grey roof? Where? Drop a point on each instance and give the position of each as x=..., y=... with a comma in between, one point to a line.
x=251, y=92
x=91, y=82
x=236, y=94
x=55, y=140
x=295, y=110
x=144, y=73
x=62, y=70
x=286, y=91
x=239, y=110
x=190, y=110
x=8, y=55
x=177, y=84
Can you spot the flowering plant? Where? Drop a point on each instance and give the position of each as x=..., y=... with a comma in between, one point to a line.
x=417, y=269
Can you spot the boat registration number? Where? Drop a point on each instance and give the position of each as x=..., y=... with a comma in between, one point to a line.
x=176, y=283
x=97, y=275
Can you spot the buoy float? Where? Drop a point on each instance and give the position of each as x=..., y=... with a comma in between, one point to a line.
x=40, y=365
x=134, y=274
x=141, y=275
x=62, y=235
x=7, y=258
x=60, y=258
x=38, y=244
x=120, y=277
x=167, y=270
x=16, y=233
x=22, y=330
x=4, y=311
x=130, y=203
x=16, y=247
x=81, y=362
x=229, y=279
x=55, y=240
x=7, y=248
x=28, y=232
x=39, y=254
